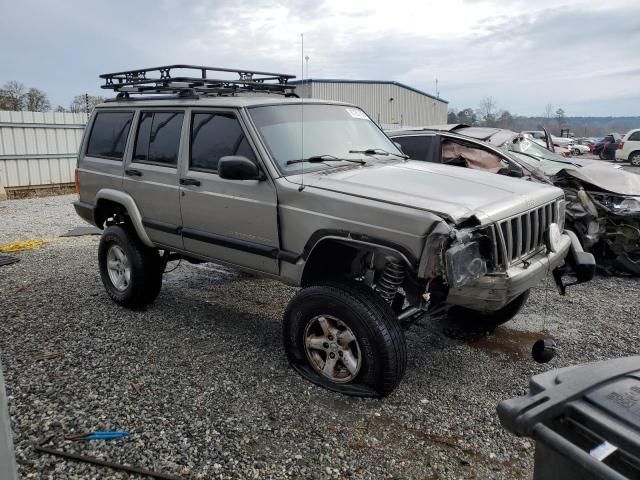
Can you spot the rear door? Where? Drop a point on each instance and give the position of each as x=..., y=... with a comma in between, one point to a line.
x=151, y=174
x=230, y=220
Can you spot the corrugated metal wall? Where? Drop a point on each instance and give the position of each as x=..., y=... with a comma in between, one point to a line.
x=408, y=108
x=39, y=148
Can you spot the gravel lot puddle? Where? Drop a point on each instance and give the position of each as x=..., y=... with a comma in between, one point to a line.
x=515, y=344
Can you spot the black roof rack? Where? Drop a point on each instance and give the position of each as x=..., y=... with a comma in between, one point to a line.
x=189, y=83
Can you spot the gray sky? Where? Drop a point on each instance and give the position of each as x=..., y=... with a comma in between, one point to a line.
x=581, y=55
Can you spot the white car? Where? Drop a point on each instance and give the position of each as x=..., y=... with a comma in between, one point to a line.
x=578, y=149
x=629, y=148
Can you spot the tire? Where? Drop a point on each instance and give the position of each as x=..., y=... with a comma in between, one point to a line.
x=577, y=152
x=131, y=272
x=469, y=319
x=370, y=332
x=634, y=158
x=601, y=156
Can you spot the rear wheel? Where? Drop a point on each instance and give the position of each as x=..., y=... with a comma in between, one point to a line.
x=634, y=158
x=131, y=272
x=345, y=338
x=473, y=320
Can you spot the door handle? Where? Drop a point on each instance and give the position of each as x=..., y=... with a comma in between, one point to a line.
x=190, y=181
x=132, y=172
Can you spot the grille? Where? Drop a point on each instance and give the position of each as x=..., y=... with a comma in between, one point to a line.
x=517, y=238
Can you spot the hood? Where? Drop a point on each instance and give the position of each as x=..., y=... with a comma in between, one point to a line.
x=614, y=180
x=452, y=192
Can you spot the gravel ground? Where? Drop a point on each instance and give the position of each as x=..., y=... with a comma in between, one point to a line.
x=200, y=380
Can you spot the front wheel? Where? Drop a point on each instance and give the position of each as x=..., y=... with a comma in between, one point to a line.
x=474, y=320
x=345, y=338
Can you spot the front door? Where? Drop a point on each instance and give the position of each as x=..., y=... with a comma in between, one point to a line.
x=234, y=221
x=151, y=176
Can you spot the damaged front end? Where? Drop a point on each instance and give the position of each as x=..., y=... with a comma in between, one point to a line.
x=608, y=225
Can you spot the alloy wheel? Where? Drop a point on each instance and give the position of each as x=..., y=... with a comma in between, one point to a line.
x=332, y=348
x=119, y=268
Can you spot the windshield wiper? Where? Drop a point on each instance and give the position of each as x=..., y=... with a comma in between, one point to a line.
x=326, y=158
x=379, y=151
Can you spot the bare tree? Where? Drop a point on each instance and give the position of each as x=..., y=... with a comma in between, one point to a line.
x=560, y=118
x=487, y=110
x=80, y=102
x=548, y=112
x=12, y=96
x=36, y=101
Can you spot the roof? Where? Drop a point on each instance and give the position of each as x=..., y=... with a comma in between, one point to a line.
x=236, y=101
x=378, y=82
x=495, y=136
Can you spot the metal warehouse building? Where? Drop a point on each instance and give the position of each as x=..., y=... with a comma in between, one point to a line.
x=390, y=104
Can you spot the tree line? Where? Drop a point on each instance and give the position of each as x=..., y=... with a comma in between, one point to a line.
x=554, y=119
x=16, y=96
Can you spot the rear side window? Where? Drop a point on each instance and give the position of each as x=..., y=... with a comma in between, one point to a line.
x=216, y=135
x=158, y=138
x=109, y=134
x=634, y=137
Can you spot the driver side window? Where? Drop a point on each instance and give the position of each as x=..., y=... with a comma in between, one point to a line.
x=213, y=136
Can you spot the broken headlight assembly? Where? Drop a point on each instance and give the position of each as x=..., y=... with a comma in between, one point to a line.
x=617, y=203
x=465, y=262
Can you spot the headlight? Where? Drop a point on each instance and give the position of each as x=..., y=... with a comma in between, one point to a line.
x=464, y=263
x=617, y=203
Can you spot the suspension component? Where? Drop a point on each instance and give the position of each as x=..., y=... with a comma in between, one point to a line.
x=391, y=279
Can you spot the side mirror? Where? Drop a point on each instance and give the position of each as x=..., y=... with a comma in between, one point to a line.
x=237, y=167
x=398, y=146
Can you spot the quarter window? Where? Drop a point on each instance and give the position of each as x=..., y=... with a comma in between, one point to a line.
x=216, y=135
x=109, y=134
x=158, y=139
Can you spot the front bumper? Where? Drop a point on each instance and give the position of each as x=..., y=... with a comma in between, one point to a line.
x=493, y=291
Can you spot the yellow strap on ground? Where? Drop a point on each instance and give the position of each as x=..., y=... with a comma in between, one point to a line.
x=20, y=246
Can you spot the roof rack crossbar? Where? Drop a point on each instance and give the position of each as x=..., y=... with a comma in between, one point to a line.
x=159, y=80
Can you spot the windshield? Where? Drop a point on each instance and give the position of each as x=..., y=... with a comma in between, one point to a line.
x=537, y=156
x=329, y=131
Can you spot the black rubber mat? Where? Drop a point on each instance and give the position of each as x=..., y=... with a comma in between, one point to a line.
x=80, y=231
x=7, y=260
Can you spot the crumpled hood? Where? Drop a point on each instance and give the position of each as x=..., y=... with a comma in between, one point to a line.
x=614, y=180
x=453, y=192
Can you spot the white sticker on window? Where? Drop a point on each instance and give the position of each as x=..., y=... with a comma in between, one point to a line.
x=356, y=113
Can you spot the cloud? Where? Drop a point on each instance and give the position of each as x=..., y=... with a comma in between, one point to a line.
x=576, y=55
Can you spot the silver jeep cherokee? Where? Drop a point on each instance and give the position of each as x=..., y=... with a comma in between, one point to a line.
x=242, y=172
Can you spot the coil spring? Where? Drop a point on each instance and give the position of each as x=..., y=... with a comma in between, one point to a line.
x=391, y=279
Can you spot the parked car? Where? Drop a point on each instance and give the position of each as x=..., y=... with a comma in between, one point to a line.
x=606, y=148
x=579, y=149
x=541, y=135
x=603, y=201
x=541, y=138
x=629, y=148
x=315, y=195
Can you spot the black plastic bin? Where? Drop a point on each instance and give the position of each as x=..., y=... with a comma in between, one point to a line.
x=585, y=421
